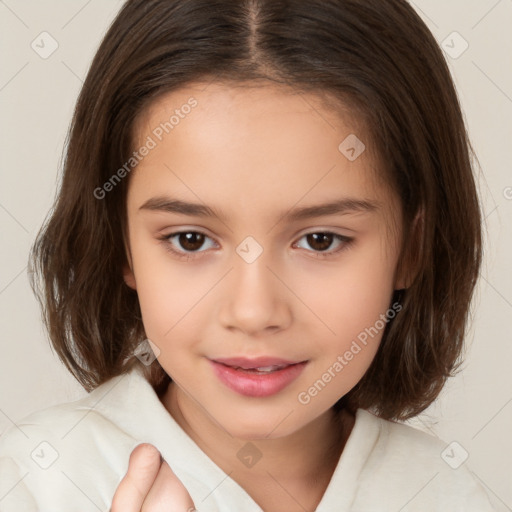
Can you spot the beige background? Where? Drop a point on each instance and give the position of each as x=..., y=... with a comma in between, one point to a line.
x=37, y=98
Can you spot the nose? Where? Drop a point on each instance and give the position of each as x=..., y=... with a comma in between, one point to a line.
x=254, y=300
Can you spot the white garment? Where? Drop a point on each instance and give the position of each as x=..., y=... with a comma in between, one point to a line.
x=385, y=466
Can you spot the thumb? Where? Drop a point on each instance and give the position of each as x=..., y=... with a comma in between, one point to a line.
x=168, y=494
x=134, y=487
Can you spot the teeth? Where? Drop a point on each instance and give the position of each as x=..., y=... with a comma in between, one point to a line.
x=263, y=369
x=269, y=368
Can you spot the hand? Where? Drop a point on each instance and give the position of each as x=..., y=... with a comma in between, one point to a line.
x=150, y=485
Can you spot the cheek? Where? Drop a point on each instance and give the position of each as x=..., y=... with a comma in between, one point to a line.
x=160, y=290
x=173, y=298
x=166, y=304
x=349, y=295
x=351, y=300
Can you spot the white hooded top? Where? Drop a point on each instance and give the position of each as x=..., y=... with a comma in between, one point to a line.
x=71, y=458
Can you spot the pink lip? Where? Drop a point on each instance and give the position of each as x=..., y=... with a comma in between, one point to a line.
x=230, y=371
x=256, y=362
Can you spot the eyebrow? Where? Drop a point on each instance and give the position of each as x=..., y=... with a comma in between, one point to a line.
x=340, y=206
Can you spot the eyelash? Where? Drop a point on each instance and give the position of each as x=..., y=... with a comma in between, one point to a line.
x=166, y=240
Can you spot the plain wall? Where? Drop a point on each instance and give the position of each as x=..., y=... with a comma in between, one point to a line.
x=37, y=98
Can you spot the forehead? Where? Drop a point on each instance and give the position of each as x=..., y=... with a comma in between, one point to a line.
x=268, y=143
x=262, y=104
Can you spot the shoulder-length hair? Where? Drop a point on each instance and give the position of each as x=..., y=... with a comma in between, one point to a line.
x=374, y=57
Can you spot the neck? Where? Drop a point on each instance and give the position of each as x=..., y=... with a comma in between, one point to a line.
x=285, y=459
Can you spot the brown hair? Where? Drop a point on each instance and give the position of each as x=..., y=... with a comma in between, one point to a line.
x=376, y=57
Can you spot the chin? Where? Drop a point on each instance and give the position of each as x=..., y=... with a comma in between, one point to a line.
x=258, y=427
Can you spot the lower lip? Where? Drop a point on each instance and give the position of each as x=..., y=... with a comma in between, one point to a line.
x=257, y=384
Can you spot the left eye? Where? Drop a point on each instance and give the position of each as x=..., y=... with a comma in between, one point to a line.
x=321, y=241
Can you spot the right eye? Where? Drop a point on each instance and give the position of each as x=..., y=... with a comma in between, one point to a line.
x=189, y=241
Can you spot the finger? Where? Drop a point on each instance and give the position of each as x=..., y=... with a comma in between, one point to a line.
x=142, y=471
x=168, y=494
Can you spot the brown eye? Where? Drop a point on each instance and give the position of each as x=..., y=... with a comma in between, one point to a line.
x=320, y=241
x=187, y=243
x=191, y=241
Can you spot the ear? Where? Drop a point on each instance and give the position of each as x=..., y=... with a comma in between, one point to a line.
x=128, y=274
x=407, y=268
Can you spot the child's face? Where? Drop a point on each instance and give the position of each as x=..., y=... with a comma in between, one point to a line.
x=254, y=156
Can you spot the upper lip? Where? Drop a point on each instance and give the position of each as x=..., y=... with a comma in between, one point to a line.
x=256, y=362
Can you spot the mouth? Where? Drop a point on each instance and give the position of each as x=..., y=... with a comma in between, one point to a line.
x=258, y=377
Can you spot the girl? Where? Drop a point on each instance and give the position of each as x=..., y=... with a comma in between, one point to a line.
x=261, y=259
